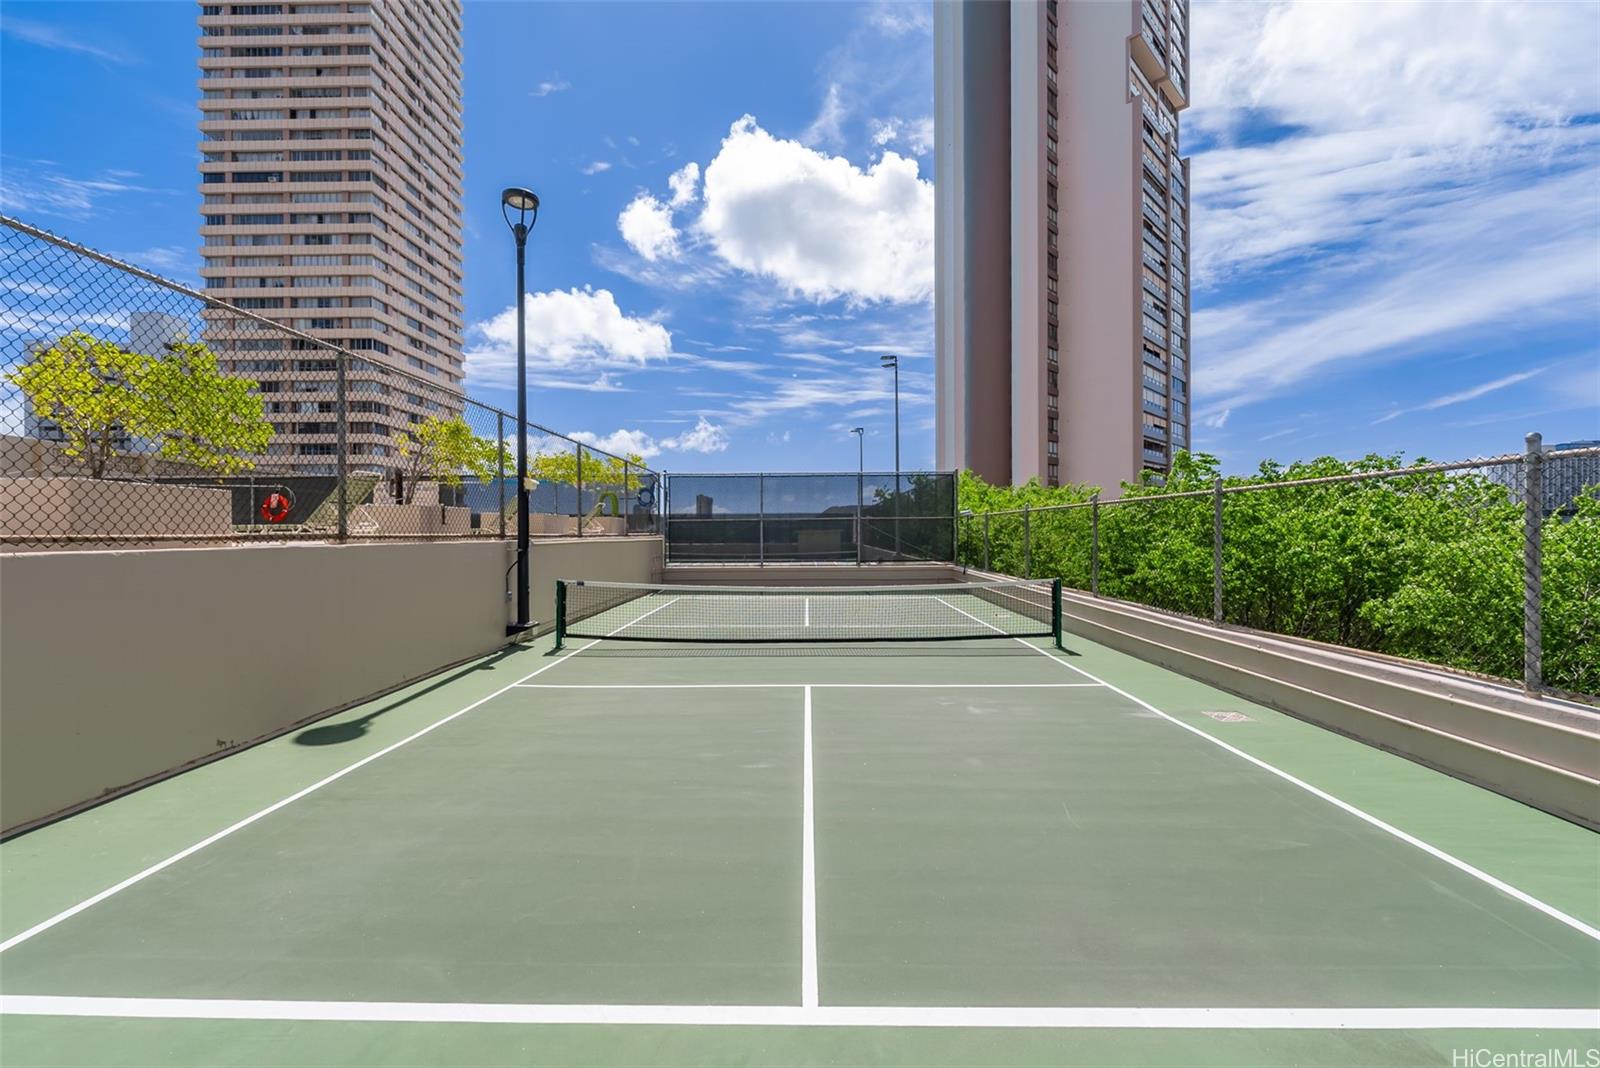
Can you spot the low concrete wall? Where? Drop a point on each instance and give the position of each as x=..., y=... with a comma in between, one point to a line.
x=120, y=668
x=830, y=574
x=116, y=667
x=1541, y=752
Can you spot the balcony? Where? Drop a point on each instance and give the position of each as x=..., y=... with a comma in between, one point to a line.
x=1154, y=433
x=1155, y=456
x=1153, y=213
x=1153, y=408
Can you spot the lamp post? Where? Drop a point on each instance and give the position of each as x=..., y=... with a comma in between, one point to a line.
x=861, y=475
x=893, y=361
x=521, y=208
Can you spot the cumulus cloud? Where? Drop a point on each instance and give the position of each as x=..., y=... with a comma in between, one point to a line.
x=685, y=184
x=915, y=134
x=704, y=437
x=574, y=331
x=646, y=225
x=817, y=224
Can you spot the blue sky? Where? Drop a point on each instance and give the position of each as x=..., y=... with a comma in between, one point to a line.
x=1396, y=215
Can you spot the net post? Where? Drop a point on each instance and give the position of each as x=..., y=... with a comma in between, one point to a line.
x=1094, y=543
x=626, y=514
x=761, y=520
x=1027, y=543
x=561, y=612
x=1055, y=611
x=1533, y=563
x=1216, y=551
x=986, y=541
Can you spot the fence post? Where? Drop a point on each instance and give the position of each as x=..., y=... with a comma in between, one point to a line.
x=761, y=520
x=1027, y=544
x=1533, y=563
x=1216, y=551
x=500, y=473
x=986, y=541
x=342, y=429
x=1094, y=543
x=578, y=508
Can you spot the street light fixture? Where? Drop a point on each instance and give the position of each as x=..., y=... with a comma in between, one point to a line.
x=521, y=209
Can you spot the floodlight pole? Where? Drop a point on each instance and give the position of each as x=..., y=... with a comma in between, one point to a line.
x=526, y=207
x=893, y=361
x=861, y=478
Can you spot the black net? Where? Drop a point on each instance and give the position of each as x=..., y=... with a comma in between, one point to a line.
x=822, y=518
x=732, y=614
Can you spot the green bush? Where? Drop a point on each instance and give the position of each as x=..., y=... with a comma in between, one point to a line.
x=1425, y=566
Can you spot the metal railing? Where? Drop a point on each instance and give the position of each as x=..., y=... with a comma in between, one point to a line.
x=1489, y=565
x=135, y=410
x=837, y=517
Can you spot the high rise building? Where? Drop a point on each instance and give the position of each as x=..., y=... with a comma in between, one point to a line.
x=1061, y=241
x=331, y=177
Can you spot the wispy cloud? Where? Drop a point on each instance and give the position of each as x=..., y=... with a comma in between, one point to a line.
x=549, y=86
x=599, y=166
x=46, y=36
x=1464, y=395
x=27, y=189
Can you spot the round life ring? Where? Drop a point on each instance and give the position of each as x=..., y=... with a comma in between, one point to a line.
x=275, y=509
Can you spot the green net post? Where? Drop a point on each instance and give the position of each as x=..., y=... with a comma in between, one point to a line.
x=561, y=613
x=1055, y=611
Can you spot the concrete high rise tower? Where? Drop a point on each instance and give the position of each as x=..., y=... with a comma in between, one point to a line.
x=1062, y=245
x=331, y=177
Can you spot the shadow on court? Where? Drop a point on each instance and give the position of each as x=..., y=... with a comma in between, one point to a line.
x=351, y=729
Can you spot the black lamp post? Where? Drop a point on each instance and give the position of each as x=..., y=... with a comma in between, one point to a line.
x=521, y=208
x=893, y=362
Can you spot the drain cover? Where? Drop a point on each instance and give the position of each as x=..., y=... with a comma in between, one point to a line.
x=1225, y=715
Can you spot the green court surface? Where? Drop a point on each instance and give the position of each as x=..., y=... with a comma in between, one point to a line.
x=968, y=852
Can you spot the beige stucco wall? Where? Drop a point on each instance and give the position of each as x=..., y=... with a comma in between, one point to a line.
x=120, y=667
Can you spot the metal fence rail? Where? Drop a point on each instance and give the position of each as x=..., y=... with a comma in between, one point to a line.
x=859, y=517
x=1489, y=565
x=138, y=411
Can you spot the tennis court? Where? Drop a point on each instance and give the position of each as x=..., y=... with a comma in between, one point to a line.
x=981, y=849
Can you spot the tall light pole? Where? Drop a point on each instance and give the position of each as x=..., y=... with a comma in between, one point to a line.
x=521, y=209
x=861, y=477
x=893, y=361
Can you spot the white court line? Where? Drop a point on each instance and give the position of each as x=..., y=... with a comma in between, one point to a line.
x=808, y=876
x=811, y=685
x=808, y=612
x=162, y=865
x=1158, y=1018
x=1388, y=828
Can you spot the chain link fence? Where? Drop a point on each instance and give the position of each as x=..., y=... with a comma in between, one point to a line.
x=135, y=411
x=1490, y=565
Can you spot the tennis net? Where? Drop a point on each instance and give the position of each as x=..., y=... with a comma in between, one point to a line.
x=757, y=614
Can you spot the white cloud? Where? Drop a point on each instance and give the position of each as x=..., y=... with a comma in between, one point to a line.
x=599, y=166
x=574, y=331
x=56, y=194
x=46, y=36
x=703, y=437
x=646, y=225
x=1464, y=395
x=556, y=84
x=817, y=224
x=828, y=126
x=685, y=184
x=896, y=18
x=1383, y=184
x=915, y=134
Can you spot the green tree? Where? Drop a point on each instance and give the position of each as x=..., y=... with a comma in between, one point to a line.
x=598, y=469
x=100, y=394
x=444, y=450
